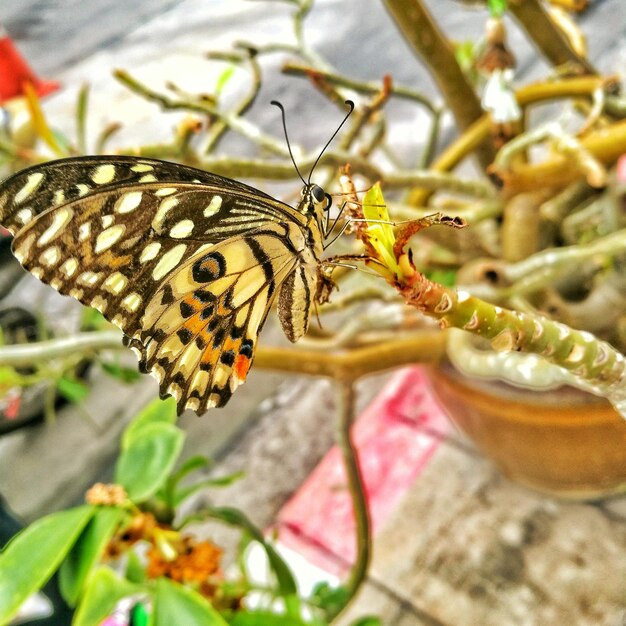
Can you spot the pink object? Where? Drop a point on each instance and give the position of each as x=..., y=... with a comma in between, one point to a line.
x=620, y=169
x=396, y=436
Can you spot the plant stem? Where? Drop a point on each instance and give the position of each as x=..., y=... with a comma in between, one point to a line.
x=370, y=87
x=347, y=365
x=548, y=37
x=476, y=133
x=592, y=360
x=28, y=353
x=434, y=49
x=604, y=145
x=350, y=457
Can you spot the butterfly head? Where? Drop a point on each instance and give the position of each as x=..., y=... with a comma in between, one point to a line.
x=315, y=202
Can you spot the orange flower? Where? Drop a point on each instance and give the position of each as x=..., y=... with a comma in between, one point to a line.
x=194, y=563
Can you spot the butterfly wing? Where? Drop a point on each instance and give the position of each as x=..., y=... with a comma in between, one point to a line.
x=36, y=189
x=200, y=327
x=124, y=247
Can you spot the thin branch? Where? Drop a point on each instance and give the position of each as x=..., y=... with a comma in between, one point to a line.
x=549, y=38
x=28, y=353
x=233, y=121
x=356, y=487
x=527, y=95
x=367, y=87
x=436, y=52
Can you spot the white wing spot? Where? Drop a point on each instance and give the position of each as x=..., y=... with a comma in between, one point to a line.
x=37, y=272
x=83, y=189
x=131, y=302
x=157, y=372
x=115, y=283
x=107, y=220
x=165, y=191
x=182, y=229
x=213, y=401
x=141, y=167
x=108, y=237
x=59, y=220
x=175, y=391
x=128, y=202
x=55, y=283
x=32, y=182
x=99, y=303
x=213, y=207
x=24, y=216
x=119, y=321
x=193, y=404
x=89, y=278
x=150, y=252
x=50, y=256
x=22, y=251
x=76, y=293
x=169, y=261
x=59, y=197
x=166, y=205
x=148, y=178
x=103, y=174
x=84, y=230
x=69, y=267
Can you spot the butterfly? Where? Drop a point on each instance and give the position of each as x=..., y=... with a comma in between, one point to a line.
x=187, y=263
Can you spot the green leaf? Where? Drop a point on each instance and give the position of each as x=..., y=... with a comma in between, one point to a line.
x=497, y=8
x=284, y=577
x=168, y=493
x=71, y=389
x=135, y=570
x=93, y=319
x=443, y=277
x=86, y=552
x=223, y=78
x=104, y=590
x=147, y=459
x=34, y=554
x=175, y=604
x=367, y=621
x=331, y=599
x=9, y=377
x=125, y=374
x=266, y=618
x=465, y=54
x=156, y=412
x=190, y=465
x=220, y=481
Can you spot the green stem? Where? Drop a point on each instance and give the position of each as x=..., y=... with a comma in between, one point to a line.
x=357, y=493
x=28, y=353
x=592, y=360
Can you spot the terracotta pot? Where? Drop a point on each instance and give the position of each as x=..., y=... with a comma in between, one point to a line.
x=563, y=442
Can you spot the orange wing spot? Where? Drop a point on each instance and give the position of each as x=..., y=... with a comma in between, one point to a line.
x=241, y=366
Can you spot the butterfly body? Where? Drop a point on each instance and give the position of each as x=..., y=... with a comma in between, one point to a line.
x=187, y=263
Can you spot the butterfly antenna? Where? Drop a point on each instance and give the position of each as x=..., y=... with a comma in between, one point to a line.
x=282, y=112
x=345, y=119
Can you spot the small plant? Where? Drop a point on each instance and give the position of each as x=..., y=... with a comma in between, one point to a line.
x=128, y=551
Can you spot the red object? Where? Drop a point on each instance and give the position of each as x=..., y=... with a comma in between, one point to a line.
x=15, y=72
x=396, y=436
